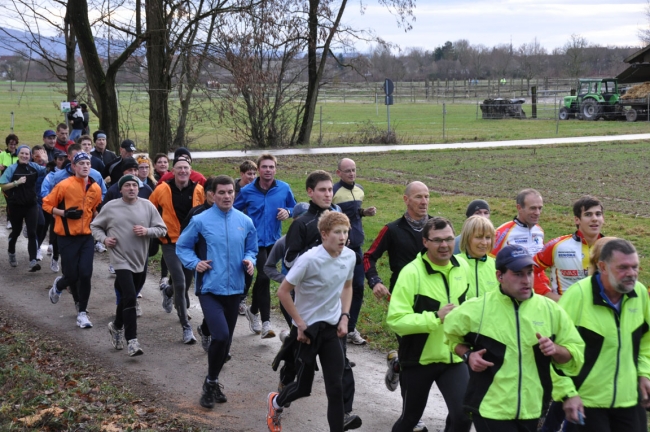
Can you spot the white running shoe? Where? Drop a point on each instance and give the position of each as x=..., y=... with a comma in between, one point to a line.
x=391, y=379
x=283, y=335
x=12, y=260
x=134, y=348
x=138, y=309
x=99, y=247
x=355, y=338
x=111, y=270
x=54, y=294
x=242, y=307
x=420, y=427
x=117, y=336
x=188, y=336
x=253, y=321
x=54, y=265
x=39, y=254
x=8, y=225
x=267, y=330
x=50, y=250
x=83, y=321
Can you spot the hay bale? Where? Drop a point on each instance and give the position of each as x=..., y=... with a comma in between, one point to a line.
x=640, y=91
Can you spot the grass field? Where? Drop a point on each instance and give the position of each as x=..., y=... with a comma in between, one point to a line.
x=36, y=108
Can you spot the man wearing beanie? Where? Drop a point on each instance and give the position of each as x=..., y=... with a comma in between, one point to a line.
x=130, y=167
x=126, y=226
x=477, y=207
x=115, y=170
x=100, y=151
x=195, y=176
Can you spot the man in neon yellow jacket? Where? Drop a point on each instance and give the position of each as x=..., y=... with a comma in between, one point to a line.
x=611, y=311
x=514, y=342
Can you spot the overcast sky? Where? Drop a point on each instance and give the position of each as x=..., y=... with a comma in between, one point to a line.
x=493, y=22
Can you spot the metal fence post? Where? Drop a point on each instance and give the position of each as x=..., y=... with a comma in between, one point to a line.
x=12, y=121
x=476, y=109
x=444, y=119
x=320, y=127
x=557, y=121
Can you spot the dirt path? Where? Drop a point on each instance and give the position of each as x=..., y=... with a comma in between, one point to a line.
x=172, y=372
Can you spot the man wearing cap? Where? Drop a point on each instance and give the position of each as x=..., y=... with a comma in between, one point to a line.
x=611, y=311
x=514, y=342
x=130, y=167
x=125, y=226
x=524, y=229
x=100, y=151
x=174, y=199
x=62, y=140
x=115, y=170
x=49, y=137
x=195, y=176
x=75, y=200
x=477, y=207
x=349, y=196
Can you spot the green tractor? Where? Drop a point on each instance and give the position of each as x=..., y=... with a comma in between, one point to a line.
x=596, y=98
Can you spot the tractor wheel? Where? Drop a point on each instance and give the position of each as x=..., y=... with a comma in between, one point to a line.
x=631, y=115
x=591, y=110
x=564, y=114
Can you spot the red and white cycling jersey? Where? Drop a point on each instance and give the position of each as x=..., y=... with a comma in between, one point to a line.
x=516, y=232
x=568, y=258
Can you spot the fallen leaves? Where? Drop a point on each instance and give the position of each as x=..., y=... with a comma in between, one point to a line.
x=34, y=419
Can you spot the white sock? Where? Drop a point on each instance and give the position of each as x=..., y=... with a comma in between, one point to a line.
x=275, y=404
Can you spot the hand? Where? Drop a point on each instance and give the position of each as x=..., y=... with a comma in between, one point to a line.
x=72, y=213
x=442, y=313
x=282, y=214
x=107, y=180
x=644, y=391
x=370, y=211
x=248, y=266
x=21, y=180
x=342, y=328
x=476, y=362
x=546, y=345
x=139, y=230
x=380, y=291
x=572, y=406
x=302, y=337
x=2, y=167
x=110, y=242
x=203, y=266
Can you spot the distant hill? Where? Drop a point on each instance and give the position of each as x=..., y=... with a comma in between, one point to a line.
x=54, y=44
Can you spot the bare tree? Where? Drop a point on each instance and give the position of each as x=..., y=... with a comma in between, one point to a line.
x=575, y=51
x=644, y=33
x=530, y=57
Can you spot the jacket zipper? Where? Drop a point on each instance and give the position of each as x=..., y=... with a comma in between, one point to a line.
x=476, y=276
x=516, y=306
x=444, y=279
x=225, y=220
x=618, y=353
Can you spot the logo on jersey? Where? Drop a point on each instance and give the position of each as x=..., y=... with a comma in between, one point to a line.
x=570, y=273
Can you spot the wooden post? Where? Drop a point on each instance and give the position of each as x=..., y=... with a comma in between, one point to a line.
x=533, y=90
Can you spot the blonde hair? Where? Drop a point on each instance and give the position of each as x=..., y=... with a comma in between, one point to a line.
x=594, y=254
x=473, y=226
x=329, y=219
x=144, y=158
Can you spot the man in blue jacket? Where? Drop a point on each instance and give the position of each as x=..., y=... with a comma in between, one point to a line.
x=267, y=202
x=220, y=244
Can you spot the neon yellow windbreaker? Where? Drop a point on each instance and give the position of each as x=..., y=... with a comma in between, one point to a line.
x=482, y=275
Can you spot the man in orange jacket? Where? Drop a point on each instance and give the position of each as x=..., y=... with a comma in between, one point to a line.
x=74, y=202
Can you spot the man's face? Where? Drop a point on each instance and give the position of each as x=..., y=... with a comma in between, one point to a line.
x=131, y=171
x=622, y=271
x=417, y=202
x=322, y=194
x=224, y=197
x=530, y=212
x=334, y=241
x=267, y=170
x=591, y=221
x=130, y=190
x=247, y=177
x=100, y=144
x=348, y=171
x=182, y=171
x=62, y=135
x=86, y=146
x=517, y=284
x=125, y=153
x=40, y=157
x=82, y=168
x=49, y=141
x=482, y=212
x=209, y=197
x=440, y=245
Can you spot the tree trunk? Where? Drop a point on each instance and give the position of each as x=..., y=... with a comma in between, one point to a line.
x=70, y=47
x=159, y=78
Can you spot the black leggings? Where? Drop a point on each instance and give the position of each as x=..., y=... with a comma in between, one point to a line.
x=126, y=283
x=261, y=288
x=30, y=215
x=332, y=361
x=488, y=425
x=77, y=266
x=220, y=314
x=613, y=420
x=416, y=382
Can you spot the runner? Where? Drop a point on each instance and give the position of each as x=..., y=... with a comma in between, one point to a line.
x=427, y=289
x=60, y=160
x=226, y=241
x=322, y=280
x=524, y=229
x=195, y=176
x=476, y=242
x=125, y=226
x=247, y=174
x=8, y=158
x=477, y=207
x=79, y=196
x=161, y=165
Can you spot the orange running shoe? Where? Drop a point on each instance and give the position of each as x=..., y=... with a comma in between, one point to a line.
x=273, y=415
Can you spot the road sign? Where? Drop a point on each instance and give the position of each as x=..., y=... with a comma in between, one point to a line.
x=388, y=87
x=389, y=100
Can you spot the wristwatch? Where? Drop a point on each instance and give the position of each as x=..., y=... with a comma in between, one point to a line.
x=344, y=314
x=465, y=356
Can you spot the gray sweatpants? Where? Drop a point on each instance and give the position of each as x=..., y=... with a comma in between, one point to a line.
x=181, y=281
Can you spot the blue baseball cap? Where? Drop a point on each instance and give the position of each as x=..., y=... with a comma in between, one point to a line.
x=49, y=133
x=513, y=258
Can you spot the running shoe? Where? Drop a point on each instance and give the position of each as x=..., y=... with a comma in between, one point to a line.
x=188, y=336
x=420, y=427
x=242, y=307
x=111, y=270
x=34, y=266
x=267, y=331
x=99, y=247
x=351, y=421
x=12, y=260
x=134, y=348
x=50, y=250
x=8, y=225
x=167, y=301
x=54, y=265
x=205, y=340
x=283, y=335
x=39, y=255
x=212, y=394
x=117, y=336
x=83, y=321
x=273, y=416
x=138, y=309
x=164, y=281
x=253, y=321
x=391, y=378
x=54, y=293
x=355, y=338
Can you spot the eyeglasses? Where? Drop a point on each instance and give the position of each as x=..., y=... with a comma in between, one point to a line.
x=145, y=167
x=349, y=171
x=448, y=240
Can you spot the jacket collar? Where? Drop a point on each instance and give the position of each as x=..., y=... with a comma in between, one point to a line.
x=347, y=185
x=596, y=292
x=427, y=265
x=579, y=237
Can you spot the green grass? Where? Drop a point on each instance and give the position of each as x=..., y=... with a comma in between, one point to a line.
x=36, y=108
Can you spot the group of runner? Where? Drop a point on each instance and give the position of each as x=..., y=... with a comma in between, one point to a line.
x=473, y=312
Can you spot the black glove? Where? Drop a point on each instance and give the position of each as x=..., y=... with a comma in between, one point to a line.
x=72, y=213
